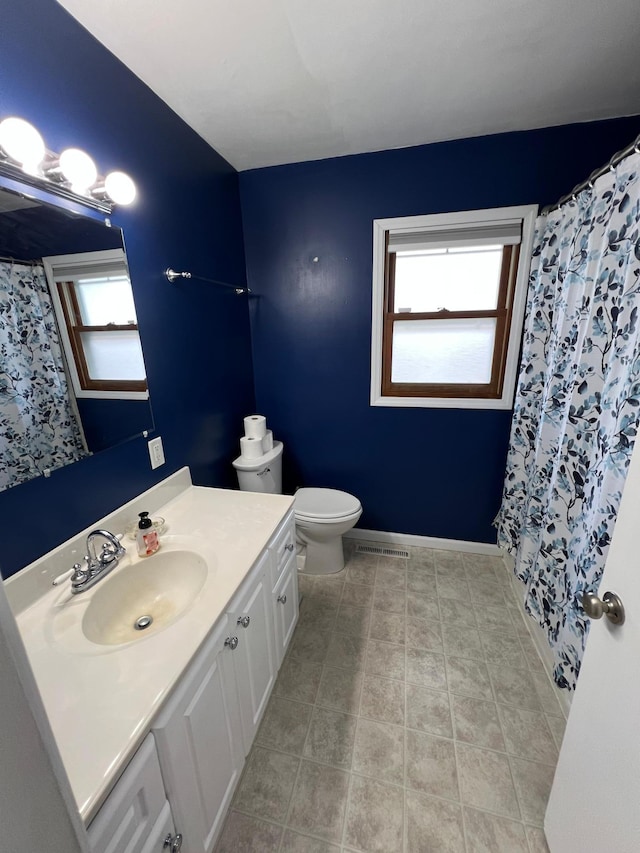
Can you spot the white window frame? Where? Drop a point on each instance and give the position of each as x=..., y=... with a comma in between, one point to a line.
x=466, y=219
x=83, y=259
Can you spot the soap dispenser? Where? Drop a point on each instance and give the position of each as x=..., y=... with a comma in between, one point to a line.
x=146, y=536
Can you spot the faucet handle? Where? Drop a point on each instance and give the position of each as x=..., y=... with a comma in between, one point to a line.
x=79, y=575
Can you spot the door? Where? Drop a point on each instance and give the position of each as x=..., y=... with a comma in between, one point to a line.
x=593, y=807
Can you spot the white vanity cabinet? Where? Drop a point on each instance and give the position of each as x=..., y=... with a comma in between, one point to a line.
x=251, y=623
x=183, y=777
x=199, y=739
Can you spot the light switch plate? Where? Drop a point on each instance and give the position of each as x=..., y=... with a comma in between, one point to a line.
x=156, y=452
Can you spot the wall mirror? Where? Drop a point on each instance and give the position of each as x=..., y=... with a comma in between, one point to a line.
x=72, y=374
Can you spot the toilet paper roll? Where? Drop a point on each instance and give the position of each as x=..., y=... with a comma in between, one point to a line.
x=250, y=448
x=255, y=426
x=267, y=441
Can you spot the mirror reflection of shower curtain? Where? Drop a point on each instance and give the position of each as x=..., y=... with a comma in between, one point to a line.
x=39, y=425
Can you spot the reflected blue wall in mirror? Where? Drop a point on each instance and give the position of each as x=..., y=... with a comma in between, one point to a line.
x=29, y=231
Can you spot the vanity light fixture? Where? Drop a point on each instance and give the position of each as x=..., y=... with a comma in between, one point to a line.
x=120, y=187
x=20, y=141
x=72, y=174
x=79, y=169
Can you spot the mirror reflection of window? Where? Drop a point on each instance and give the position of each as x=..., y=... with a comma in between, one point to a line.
x=106, y=299
x=109, y=338
x=97, y=316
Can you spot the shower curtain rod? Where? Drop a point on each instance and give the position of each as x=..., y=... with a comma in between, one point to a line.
x=18, y=261
x=613, y=162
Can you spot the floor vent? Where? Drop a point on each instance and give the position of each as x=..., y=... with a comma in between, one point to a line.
x=383, y=552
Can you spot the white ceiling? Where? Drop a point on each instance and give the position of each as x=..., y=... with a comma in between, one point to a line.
x=278, y=81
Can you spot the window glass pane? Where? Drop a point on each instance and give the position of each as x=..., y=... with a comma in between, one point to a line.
x=113, y=355
x=456, y=279
x=443, y=351
x=106, y=299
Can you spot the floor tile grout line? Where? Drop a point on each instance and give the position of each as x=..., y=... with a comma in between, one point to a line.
x=287, y=813
x=518, y=797
x=343, y=834
x=465, y=840
x=520, y=822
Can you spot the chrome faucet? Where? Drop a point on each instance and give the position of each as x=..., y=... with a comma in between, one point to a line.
x=97, y=565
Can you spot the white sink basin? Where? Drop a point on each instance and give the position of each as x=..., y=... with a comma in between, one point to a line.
x=144, y=597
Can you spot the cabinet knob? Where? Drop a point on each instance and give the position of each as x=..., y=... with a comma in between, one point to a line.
x=244, y=621
x=282, y=599
x=173, y=842
x=289, y=547
x=231, y=642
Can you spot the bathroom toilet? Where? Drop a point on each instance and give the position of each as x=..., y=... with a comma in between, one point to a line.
x=322, y=516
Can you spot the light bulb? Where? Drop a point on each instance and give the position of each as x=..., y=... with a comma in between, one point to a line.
x=120, y=188
x=79, y=169
x=22, y=142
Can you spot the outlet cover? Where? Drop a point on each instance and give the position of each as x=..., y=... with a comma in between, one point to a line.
x=156, y=452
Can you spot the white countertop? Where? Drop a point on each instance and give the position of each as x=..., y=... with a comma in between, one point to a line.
x=101, y=699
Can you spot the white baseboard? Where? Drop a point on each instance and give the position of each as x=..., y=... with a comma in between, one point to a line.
x=424, y=541
x=537, y=635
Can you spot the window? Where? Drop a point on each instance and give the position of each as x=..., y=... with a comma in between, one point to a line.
x=96, y=315
x=448, y=302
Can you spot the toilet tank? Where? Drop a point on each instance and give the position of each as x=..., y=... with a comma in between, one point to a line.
x=263, y=474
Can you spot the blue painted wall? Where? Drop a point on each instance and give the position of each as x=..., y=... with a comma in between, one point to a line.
x=195, y=336
x=108, y=422
x=432, y=472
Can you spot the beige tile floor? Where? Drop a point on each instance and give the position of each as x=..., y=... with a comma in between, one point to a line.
x=411, y=714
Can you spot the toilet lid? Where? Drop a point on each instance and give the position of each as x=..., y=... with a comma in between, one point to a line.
x=325, y=503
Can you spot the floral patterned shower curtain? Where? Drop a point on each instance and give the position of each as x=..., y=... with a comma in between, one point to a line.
x=577, y=405
x=38, y=426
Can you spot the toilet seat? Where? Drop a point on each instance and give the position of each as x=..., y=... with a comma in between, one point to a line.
x=325, y=505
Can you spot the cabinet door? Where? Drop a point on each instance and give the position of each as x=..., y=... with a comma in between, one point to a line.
x=200, y=744
x=282, y=546
x=133, y=807
x=161, y=833
x=285, y=607
x=251, y=619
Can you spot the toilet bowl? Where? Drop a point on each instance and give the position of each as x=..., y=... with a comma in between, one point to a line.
x=322, y=515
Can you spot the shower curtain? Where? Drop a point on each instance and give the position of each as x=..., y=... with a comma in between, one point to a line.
x=38, y=426
x=577, y=405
